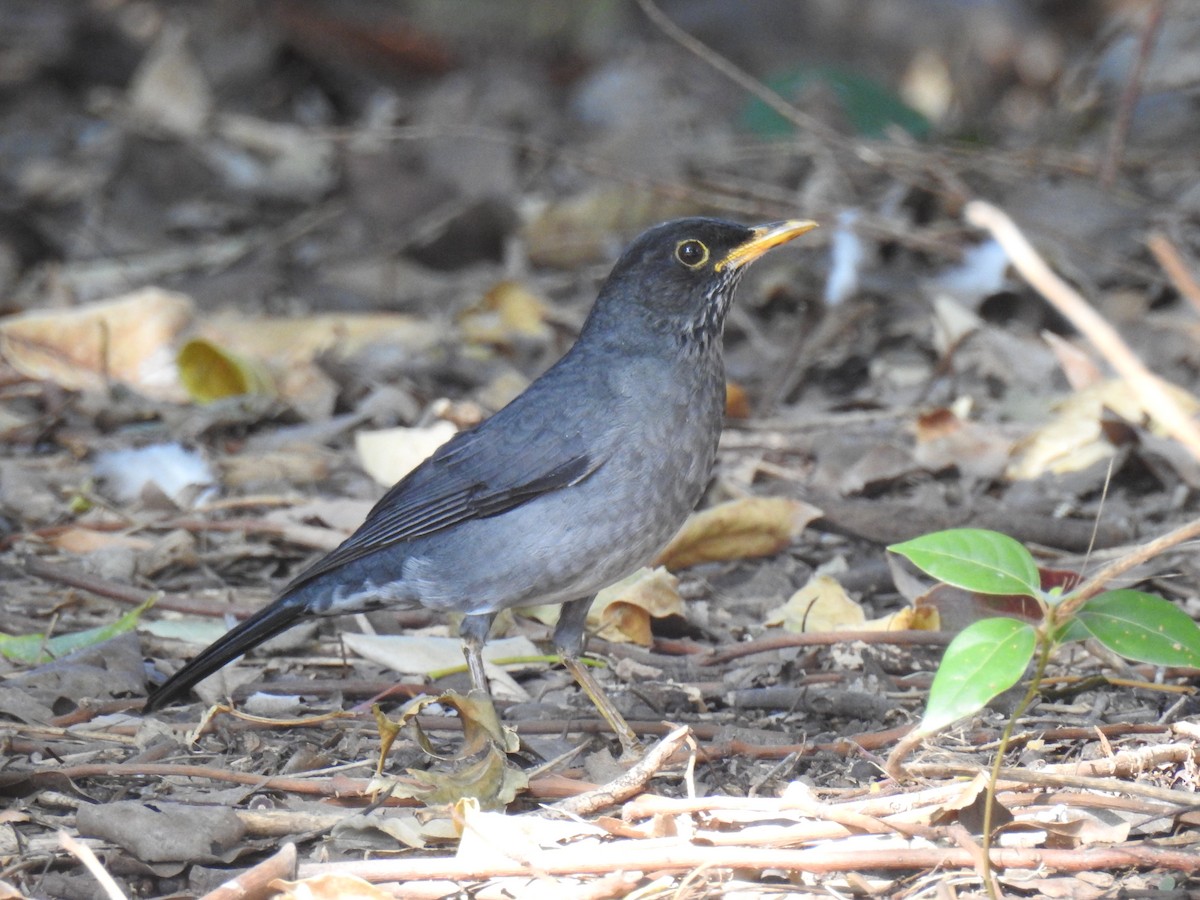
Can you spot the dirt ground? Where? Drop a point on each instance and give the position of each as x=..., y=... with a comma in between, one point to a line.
x=257, y=259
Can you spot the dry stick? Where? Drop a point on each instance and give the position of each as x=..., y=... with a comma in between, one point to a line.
x=674, y=855
x=255, y=881
x=84, y=854
x=1149, y=387
x=1129, y=97
x=742, y=79
x=1171, y=261
x=1100, y=581
x=630, y=782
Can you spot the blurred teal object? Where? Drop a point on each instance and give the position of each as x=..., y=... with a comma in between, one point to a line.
x=870, y=108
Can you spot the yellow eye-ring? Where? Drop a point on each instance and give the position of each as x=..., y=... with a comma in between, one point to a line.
x=692, y=253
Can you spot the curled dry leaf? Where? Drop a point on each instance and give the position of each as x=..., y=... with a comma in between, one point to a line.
x=482, y=770
x=1076, y=438
x=623, y=611
x=208, y=372
x=752, y=526
x=130, y=339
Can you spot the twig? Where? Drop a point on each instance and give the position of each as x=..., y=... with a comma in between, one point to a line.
x=1168, y=257
x=1152, y=390
x=744, y=80
x=255, y=881
x=84, y=854
x=1100, y=581
x=676, y=856
x=628, y=783
x=904, y=638
x=1129, y=96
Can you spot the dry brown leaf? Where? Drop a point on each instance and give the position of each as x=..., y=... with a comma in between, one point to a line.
x=288, y=350
x=88, y=540
x=390, y=454
x=482, y=769
x=1076, y=438
x=737, y=403
x=169, y=90
x=130, y=339
x=330, y=886
x=910, y=618
x=623, y=611
x=821, y=605
x=1081, y=369
x=296, y=464
x=208, y=373
x=943, y=439
x=508, y=313
x=583, y=229
x=752, y=526
x=286, y=342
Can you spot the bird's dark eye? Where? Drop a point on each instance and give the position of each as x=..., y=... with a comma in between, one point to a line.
x=691, y=253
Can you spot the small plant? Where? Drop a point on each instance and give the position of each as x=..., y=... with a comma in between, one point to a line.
x=991, y=655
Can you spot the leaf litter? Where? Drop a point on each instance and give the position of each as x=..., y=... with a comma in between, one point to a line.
x=307, y=287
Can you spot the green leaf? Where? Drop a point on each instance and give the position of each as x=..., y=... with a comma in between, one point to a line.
x=869, y=106
x=35, y=649
x=986, y=659
x=1142, y=627
x=975, y=560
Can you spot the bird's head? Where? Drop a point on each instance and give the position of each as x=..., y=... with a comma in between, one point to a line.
x=678, y=278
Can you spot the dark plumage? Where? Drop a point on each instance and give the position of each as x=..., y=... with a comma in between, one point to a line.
x=573, y=485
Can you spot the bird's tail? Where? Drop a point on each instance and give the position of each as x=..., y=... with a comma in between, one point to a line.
x=263, y=625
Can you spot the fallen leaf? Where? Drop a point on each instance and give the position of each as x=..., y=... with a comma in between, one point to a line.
x=1076, y=437
x=749, y=527
x=424, y=654
x=585, y=228
x=944, y=439
x=38, y=648
x=330, y=886
x=737, y=403
x=169, y=90
x=284, y=342
x=623, y=611
x=88, y=540
x=509, y=313
x=209, y=373
x=481, y=769
x=496, y=839
x=910, y=618
x=821, y=605
x=129, y=339
x=390, y=454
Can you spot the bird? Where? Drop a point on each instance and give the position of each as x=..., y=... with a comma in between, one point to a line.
x=575, y=484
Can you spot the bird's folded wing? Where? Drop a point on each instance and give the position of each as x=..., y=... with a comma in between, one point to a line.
x=469, y=477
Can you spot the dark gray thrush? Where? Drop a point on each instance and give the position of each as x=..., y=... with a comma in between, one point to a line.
x=575, y=484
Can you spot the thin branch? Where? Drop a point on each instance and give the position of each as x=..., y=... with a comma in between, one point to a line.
x=1129, y=97
x=1149, y=388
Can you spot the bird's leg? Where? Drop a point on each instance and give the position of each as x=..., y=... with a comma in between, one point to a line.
x=474, y=631
x=568, y=639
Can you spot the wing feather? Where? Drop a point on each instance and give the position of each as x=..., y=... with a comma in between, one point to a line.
x=467, y=478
